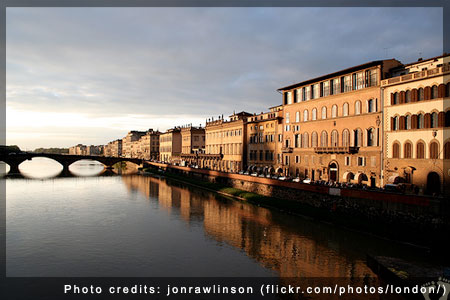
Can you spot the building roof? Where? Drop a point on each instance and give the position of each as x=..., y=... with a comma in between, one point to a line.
x=341, y=72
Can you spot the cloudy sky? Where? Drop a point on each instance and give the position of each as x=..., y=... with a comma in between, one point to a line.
x=89, y=75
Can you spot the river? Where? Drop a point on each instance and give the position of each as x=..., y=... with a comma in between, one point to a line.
x=105, y=224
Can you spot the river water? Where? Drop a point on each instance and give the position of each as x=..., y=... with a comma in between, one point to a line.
x=105, y=224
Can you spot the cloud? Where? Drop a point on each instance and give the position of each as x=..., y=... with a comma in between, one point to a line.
x=104, y=63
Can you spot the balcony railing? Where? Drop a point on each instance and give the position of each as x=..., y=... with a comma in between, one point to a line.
x=416, y=75
x=336, y=149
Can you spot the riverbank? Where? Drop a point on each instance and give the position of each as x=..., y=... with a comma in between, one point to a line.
x=336, y=213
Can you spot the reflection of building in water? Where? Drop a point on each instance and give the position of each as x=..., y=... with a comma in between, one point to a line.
x=290, y=251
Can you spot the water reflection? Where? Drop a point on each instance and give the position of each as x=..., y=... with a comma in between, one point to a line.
x=291, y=246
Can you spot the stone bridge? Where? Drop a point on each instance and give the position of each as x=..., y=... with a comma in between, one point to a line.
x=15, y=159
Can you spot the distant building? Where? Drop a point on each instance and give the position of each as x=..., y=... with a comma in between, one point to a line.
x=264, y=140
x=78, y=150
x=226, y=141
x=149, y=145
x=94, y=150
x=130, y=145
x=170, y=145
x=417, y=118
x=192, y=144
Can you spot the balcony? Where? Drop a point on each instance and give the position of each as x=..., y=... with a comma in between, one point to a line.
x=349, y=150
x=287, y=149
x=416, y=75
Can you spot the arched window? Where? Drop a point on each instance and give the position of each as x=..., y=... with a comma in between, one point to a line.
x=396, y=150
x=420, y=123
x=334, y=111
x=434, y=120
x=396, y=100
x=420, y=150
x=447, y=118
x=324, y=139
x=407, y=150
x=334, y=138
x=408, y=96
x=297, y=116
x=395, y=123
x=305, y=142
x=370, y=106
x=314, y=114
x=434, y=92
x=345, y=138
x=345, y=109
x=447, y=150
x=420, y=95
x=324, y=113
x=370, y=137
x=314, y=139
x=434, y=150
x=357, y=107
x=305, y=115
x=408, y=122
x=357, y=133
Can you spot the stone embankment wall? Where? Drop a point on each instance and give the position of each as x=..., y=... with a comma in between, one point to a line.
x=419, y=212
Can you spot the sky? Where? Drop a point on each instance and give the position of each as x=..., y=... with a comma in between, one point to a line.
x=90, y=75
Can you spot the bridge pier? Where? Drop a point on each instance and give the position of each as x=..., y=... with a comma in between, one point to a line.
x=13, y=168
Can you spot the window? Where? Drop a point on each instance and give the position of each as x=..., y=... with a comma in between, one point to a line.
x=434, y=150
x=420, y=95
x=434, y=120
x=297, y=159
x=305, y=115
x=324, y=113
x=420, y=150
x=287, y=128
x=334, y=138
x=361, y=161
x=297, y=116
x=408, y=96
x=315, y=91
x=396, y=98
x=289, y=97
x=447, y=150
x=297, y=141
x=324, y=139
x=287, y=118
x=334, y=111
x=357, y=137
x=314, y=114
x=407, y=150
x=298, y=96
x=370, y=137
x=357, y=107
x=314, y=139
x=408, y=122
x=305, y=140
x=434, y=92
x=345, y=138
x=347, y=84
x=420, y=121
x=345, y=110
x=370, y=106
x=395, y=123
x=280, y=138
x=396, y=150
x=347, y=160
x=304, y=98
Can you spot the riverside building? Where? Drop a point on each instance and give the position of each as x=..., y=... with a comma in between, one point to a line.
x=332, y=125
x=130, y=145
x=170, y=145
x=192, y=144
x=416, y=125
x=149, y=145
x=264, y=140
x=226, y=143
